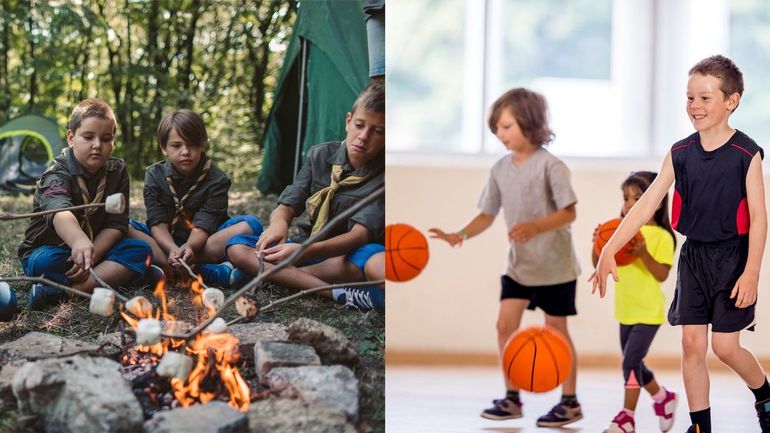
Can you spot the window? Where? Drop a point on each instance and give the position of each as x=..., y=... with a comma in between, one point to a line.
x=614, y=72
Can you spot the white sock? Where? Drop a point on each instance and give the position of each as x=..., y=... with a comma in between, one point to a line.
x=660, y=395
x=337, y=292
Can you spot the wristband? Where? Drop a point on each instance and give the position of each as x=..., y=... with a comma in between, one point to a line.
x=463, y=234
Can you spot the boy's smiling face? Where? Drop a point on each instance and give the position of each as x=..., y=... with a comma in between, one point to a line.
x=182, y=155
x=92, y=142
x=707, y=105
x=365, y=137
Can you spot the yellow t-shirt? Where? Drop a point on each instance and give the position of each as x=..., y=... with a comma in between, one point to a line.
x=638, y=296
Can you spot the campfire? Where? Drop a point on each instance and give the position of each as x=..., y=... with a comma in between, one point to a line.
x=175, y=373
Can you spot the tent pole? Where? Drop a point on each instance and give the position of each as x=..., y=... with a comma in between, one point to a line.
x=300, y=117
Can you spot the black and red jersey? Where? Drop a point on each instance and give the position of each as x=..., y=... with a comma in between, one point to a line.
x=709, y=202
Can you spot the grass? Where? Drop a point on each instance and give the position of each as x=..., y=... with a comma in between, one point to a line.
x=71, y=319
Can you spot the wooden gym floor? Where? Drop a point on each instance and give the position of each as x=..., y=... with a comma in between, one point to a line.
x=450, y=399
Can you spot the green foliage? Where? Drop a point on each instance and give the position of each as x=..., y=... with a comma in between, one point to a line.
x=146, y=58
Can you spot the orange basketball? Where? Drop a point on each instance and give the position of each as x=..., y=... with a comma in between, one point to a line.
x=537, y=359
x=603, y=235
x=406, y=252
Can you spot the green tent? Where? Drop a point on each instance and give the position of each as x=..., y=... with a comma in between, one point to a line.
x=325, y=67
x=27, y=144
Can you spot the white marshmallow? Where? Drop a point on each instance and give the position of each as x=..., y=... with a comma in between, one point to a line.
x=213, y=298
x=139, y=306
x=115, y=203
x=175, y=364
x=148, y=331
x=218, y=326
x=102, y=301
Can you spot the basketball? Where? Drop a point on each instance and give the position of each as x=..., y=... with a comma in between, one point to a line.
x=604, y=233
x=406, y=252
x=537, y=359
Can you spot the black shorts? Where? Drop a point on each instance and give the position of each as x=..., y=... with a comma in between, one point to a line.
x=707, y=274
x=555, y=299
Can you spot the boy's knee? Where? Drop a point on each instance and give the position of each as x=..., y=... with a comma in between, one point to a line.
x=254, y=225
x=238, y=253
x=47, y=261
x=505, y=327
x=692, y=346
x=725, y=351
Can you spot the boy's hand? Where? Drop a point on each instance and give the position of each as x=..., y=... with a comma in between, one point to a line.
x=183, y=252
x=76, y=274
x=745, y=290
x=454, y=239
x=82, y=253
x=273, y=234
x=280, y=252
x=604, y=267
x=523, y=232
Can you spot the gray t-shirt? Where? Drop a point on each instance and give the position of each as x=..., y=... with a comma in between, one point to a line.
x=538, y=188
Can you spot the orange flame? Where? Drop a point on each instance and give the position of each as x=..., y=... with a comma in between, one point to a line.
x=216, y=353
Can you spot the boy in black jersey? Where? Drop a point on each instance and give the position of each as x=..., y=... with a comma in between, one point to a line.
x=719, y=204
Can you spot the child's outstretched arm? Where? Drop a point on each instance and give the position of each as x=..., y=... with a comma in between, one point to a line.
x=525, y=231
x=745, y=290
x=477, y=225
x=631, y=223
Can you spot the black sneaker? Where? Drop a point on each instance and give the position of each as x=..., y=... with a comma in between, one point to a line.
x=763, y=412
x=560, y=415
x=41, y=296
x=504, y=408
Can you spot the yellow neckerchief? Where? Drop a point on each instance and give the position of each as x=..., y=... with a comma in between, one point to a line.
x=322, y=199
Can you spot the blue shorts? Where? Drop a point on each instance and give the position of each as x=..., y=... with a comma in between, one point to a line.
x=252, y=221
x=52, y=261
x=358, y=257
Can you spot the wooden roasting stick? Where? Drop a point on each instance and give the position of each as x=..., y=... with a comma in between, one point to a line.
x=301, y=293
x=114, y=204
x=289, y=261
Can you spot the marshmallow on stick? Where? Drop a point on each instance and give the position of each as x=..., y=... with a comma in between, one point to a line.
x=102, y=301
x=148, y=332
x=175, y=364
x=114, y=204
x=213, y=298
x=218, y=326
x=139, y=306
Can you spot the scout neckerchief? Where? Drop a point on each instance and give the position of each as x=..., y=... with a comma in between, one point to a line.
x=323, y=198
x=179, y=202
x=88, y=212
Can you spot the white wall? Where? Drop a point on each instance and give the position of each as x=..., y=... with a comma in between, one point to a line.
x=452, y=306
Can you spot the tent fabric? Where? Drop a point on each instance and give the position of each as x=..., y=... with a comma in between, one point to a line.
x=27, y=144
x=336, y=71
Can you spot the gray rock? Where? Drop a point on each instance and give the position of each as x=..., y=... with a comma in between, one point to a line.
x=292, y=416
x=250, y=333
x=78, y=394
x=39, y=345
x=212, y=417
x=334, y=387
x=6, y=380
x=271, y=354
x=329, y=343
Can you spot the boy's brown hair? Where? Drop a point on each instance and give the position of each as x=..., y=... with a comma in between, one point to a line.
x=187, y=123
x=530, y=111
x=91, y=107
x=372, y=98
x=730, y=77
